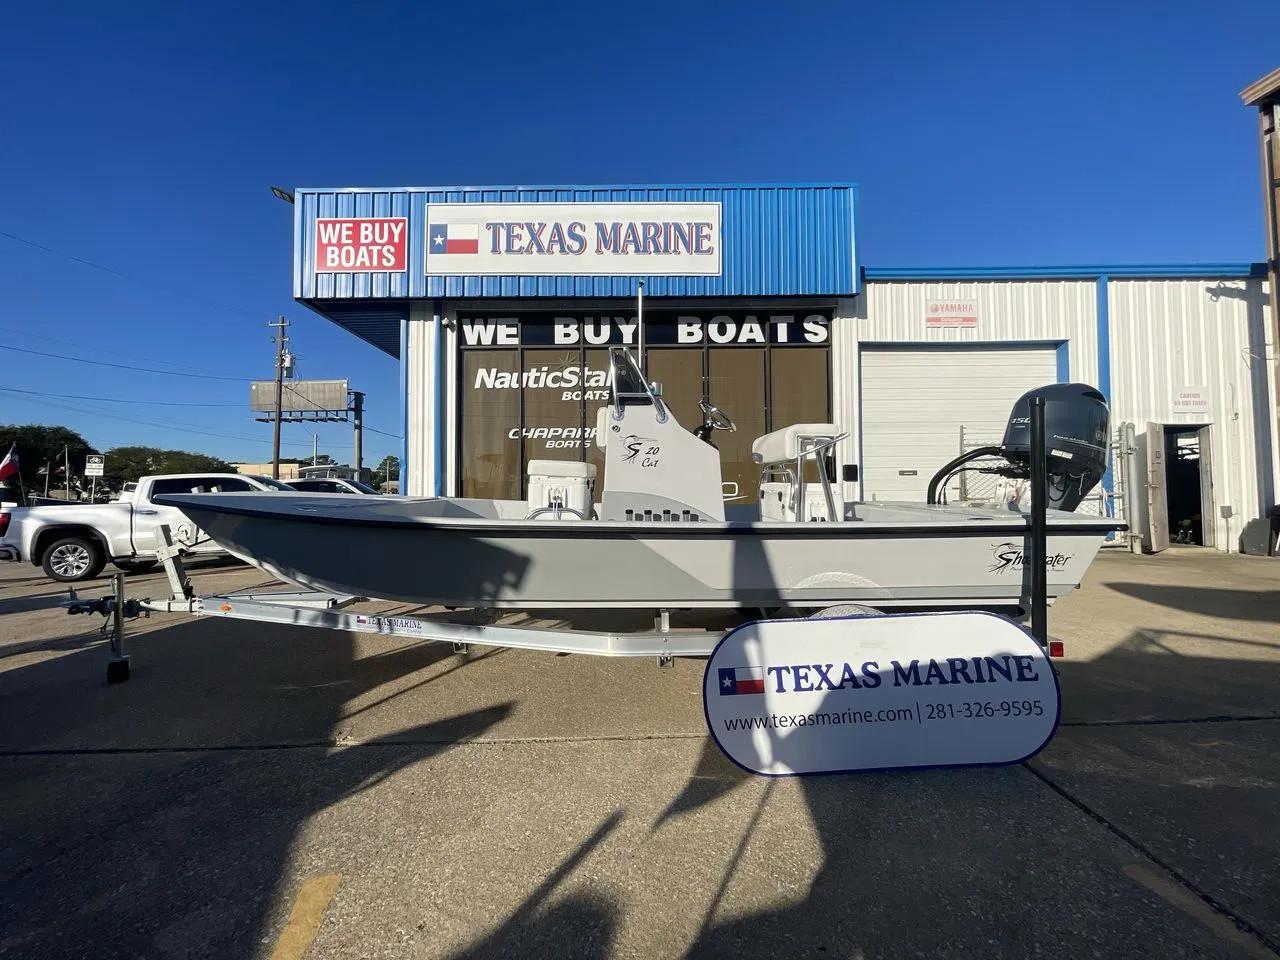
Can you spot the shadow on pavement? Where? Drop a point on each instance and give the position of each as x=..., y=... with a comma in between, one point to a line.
x=579, y=926
x=975, y=862
x=158, y=820
x=1218, y=602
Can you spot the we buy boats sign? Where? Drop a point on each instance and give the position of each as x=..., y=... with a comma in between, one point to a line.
x=361, y=244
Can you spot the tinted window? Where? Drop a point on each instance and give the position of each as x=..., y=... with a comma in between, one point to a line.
x=200, y=485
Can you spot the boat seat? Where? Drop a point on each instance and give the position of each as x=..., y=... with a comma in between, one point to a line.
x=783, y=445
x=602, y=428
x=574, y=469
x=560, y=489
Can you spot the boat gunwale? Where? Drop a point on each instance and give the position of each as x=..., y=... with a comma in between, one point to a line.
x=611, y=529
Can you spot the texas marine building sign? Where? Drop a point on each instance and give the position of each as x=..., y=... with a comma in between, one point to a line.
x=532, y=239
x=573, y=239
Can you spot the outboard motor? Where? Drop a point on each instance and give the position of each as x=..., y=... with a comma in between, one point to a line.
x=1075, y=429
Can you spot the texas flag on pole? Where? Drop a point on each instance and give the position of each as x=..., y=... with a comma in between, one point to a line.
x=9, y=465
x=735, y=680
x=454, y=238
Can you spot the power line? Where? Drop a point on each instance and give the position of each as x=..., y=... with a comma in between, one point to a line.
x=185, y=294
x=125, y=366
x=393, y=436
x=184, y=427
x=96, y=349
x=159, y=403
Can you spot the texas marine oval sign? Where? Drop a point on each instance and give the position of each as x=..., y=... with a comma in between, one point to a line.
x=785, y=697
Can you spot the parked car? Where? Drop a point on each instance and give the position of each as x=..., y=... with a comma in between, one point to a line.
x=74, y=541
x=330, y=485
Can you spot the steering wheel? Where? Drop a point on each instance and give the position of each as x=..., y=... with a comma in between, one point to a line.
x=714, y=417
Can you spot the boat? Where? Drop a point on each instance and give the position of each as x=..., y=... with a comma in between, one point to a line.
x=660, y=534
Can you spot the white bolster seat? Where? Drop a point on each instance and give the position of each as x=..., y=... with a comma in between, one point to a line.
x=783, y=445
x=574, y=469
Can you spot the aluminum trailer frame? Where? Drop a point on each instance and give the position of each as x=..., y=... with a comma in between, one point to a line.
x=308, y=608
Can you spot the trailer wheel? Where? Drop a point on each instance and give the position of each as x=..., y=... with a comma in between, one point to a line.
x=72, y=559
x=844, y=610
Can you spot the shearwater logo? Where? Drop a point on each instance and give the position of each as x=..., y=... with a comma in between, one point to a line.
x=736, y=680
x=1009, y=556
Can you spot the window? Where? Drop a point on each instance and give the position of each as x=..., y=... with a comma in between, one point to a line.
x=539, y=400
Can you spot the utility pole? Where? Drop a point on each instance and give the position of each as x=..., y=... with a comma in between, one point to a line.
x=281, y=340
x=315, y=449
x=357, y=409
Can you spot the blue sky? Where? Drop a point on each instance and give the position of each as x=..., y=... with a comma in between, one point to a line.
x=143, y=138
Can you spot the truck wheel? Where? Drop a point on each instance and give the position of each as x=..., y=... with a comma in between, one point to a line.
x=136, y=566
x=71, y=559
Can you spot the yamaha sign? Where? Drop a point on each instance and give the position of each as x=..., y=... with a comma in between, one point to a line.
x=573, y=239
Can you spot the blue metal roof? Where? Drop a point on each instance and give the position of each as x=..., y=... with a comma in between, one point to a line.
x=777, y=240
x=1189, y=271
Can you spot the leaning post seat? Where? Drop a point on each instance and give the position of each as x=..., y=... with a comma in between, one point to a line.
x=782, y=454
x=559, y=487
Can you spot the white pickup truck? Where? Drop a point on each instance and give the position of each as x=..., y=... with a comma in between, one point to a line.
x=74, y=541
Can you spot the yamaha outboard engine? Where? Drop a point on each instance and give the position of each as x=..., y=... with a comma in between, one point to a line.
x=1075, y=429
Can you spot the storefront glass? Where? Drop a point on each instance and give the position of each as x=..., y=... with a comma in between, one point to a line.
x=531, y=385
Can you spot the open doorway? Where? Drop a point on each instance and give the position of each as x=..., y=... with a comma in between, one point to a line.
x=1189, y=484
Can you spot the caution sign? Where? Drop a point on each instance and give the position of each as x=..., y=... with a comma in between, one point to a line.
x=789, y=697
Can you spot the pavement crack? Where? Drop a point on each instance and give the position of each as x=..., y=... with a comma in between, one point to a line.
x=1157, y=721
x=1180, y=878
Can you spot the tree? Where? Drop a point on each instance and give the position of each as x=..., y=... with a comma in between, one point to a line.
x=38, y=447
x=130, y=463
x=388, y=469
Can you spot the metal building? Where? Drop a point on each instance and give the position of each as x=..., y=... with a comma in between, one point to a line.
x=500, y=303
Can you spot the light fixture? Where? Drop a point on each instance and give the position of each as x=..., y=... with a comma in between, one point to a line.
x=282, y=194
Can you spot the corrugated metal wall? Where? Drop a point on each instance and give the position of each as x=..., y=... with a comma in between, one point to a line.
x=1208, y=334
x=1008, y=310
x=420, y=400
x=778, y=240
x=1035, y=311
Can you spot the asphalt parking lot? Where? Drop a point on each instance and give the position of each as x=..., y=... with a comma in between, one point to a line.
x=255, y=786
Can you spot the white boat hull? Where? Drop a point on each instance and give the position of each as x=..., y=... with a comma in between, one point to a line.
x=438, y=551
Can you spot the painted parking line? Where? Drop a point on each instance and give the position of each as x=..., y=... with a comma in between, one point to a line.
x=1186, y=901
x=306, y=916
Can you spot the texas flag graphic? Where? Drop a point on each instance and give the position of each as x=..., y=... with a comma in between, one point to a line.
x=454, y=238
x=735, y=680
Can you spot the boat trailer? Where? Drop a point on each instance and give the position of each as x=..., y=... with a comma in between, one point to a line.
x=311, y=608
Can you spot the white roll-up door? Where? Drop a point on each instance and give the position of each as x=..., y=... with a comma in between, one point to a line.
x=915, y=402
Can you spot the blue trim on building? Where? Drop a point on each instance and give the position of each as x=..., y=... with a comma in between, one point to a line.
x=1063, y=357
x=1086, y=272
x=490, y=187
x=404, y=404
x=777, y=240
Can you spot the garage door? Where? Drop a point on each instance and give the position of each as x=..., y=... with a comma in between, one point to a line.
x=915, y=402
